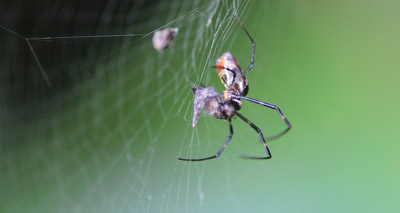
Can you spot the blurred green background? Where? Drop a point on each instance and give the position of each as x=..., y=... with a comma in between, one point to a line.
x=106, y=135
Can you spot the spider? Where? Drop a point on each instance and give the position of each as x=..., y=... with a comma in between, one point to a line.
x=227, y=105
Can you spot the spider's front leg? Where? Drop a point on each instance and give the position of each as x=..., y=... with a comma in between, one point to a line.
x=253, y=49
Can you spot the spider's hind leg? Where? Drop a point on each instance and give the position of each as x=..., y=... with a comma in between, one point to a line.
x=219, y=151
x=261, y=137
x=271, y=106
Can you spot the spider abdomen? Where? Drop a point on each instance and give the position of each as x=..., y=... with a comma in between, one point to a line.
x=229, y=72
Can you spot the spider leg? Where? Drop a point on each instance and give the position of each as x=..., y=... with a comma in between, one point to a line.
x=261, y=137
x=253, y=51
x=219, y=151
x=271, y=106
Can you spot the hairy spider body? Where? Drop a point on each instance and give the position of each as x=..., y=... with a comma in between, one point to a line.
x=226, y=106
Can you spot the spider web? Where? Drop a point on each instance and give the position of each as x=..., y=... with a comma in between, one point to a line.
x=97, y=124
